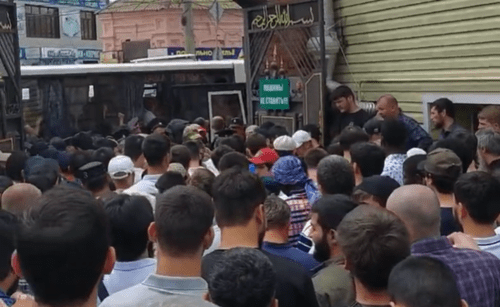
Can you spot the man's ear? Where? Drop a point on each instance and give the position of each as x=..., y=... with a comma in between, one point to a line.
x=392, y=304
x=110, y=261
x=153, y=233
x=332, y=237
x=355, y=167
x=16, y=265
x=206, y=297
x=464, y=304
x=260, y=215
x=274, y=303
x=209, y=238
x=347, y=265
x=462, y=212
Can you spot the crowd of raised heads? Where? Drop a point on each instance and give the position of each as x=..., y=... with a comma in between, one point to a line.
x=218, y=213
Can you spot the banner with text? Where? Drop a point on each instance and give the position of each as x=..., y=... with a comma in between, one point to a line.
x=274, y=94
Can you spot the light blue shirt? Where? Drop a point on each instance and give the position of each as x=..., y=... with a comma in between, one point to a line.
x=128, y=274
x=393, y=167
x=490, y=244
x=158, y=289
x=147, y=185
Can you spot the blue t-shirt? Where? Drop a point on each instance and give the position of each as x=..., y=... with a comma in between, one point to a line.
x=448, y=223
x=296, y=255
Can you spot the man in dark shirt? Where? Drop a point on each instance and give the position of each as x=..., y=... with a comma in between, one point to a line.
x=488, y=148
x=388, y=107
x=349, y=113
x=443, y=117
x=238, y=198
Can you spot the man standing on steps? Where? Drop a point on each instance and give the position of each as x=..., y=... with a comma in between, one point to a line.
x=350, y=114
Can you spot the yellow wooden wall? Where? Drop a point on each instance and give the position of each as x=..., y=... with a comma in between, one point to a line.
x=410, y=47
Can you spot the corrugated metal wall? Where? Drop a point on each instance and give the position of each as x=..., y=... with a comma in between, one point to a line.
x=410, y=47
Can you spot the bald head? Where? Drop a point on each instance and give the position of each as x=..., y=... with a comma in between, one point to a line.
x=20, y=197
x=218, y=123
x=418, y=207
x=387, y=106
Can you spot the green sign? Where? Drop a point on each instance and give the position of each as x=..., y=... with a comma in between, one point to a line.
x=274, y=94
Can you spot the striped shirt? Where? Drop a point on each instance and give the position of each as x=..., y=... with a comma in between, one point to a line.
x=490, y=244
x=300, y=209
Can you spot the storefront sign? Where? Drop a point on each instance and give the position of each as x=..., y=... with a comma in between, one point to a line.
x=207, y=54
x=283, y=16
x=274, y=94
x=96, y=4
x=88, y=54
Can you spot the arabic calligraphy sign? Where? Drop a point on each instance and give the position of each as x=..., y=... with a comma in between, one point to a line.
x=283, y=16
x=6, y=20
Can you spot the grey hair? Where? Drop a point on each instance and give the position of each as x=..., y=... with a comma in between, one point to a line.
x=277, y=212
x=489, y=140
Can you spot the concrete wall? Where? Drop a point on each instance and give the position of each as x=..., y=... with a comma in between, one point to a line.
x=412, y=47
x=36, y=50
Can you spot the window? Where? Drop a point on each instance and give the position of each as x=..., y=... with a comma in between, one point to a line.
x=42, y=21
x=87, y=21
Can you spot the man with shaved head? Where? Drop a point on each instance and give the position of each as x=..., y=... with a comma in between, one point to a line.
x=477, y=272
x=388, y=107
x=19, y=197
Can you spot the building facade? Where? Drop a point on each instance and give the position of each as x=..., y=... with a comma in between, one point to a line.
x=155, y=29
x=55, y=32
x=418, y=50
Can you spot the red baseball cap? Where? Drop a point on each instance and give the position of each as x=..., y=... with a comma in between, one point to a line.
x=265, y=155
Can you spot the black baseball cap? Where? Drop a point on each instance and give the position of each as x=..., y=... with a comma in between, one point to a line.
x=91, y=170
x=236, y=122
x=380, y=186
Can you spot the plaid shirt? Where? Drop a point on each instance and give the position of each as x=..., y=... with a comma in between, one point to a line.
x=417, y=136
x=300, y=209
x=7, y=299
x=477, y=272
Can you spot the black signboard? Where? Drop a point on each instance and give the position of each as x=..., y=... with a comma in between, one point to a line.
x=283, y=16
x=7, y=24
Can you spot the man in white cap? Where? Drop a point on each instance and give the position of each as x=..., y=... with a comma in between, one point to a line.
x=304, y=142
x=284, y=145
x=121, y=171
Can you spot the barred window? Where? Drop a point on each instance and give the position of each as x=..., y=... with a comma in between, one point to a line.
x=88, y=25
x=42, y=21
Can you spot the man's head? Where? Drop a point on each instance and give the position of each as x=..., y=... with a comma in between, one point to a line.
x=460, y=148
x=314, y=156
x=326, y=215
x=20, y=197
x=284, y=145
x=103, y=155
x=394, y=134
x=277, y=213
x=388, y=107
x=155, y=149
x=202, y=179
x=218, y=123
x=238, y=126
x=130, y=217
x=93, y=176
x=335, y=176
x=8, y=228
x=233, y=159
x=489, y=118
x=488, y=145
x=169, y=180
x=440, y=110
x=264, y=161
x=236, y=142
x=63, y=247
x=423, y=282
x=183, y=222
x=121, y=171
x=41, y=172
x=195, y=148
x=314, y=131
x=15, y=165
x=243, y=277
x=367, y=159
x=477, y=197
x=413, y=169
x=304, y=142
x=442, y=168
x=180, y=154
x=375, y=190
x=373, y=128
x=133, y=148
x=373, y=241
x=418, y=207
x=352, y=135
x=239, y=197
x=254, y=143
x=342, y=98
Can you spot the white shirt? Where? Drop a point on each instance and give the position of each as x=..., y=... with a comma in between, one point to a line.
x=490, y=244
x=146, y=186
x=138, y=174
x=209, y=164
x=128, y=274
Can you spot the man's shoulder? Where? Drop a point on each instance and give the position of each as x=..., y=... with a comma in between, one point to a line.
x=468, y=258
x=127, y=298
x=286, y=266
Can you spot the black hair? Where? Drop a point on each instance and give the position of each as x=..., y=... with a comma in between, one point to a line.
x=58, y=143
x=335, y=149
x=352, y=135
x=180, y=154
x=62, y=246
x=220, y=151
x=331, y=209
x=130, y=217
x=5, y=183
x=479, y=192
x=15, y=165
x=200, y=121
x=335, y=175
x=443, y=184
x=314, y=131
x=460, y=148
x=183, y=216
x=43, y=182
x=277, y=131
x=169, y=180
x=133, y=146
x=243, y=277
x=342, y=91
x=77, y=160
x=233, y=159
x=423, y=282
x=314, y=156
x=8, y=228
x=155, y=148
x=202, y=179
x=267, y=125
x=237, y=193
x=394, y=133
x=235, y=142
x=256, y=142
x=444, y=104
x=194, y=148
x=103, y=155
x=412, y=173
x=369, y=157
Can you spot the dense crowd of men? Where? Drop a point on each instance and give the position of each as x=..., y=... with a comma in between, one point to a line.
x=258, y=216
